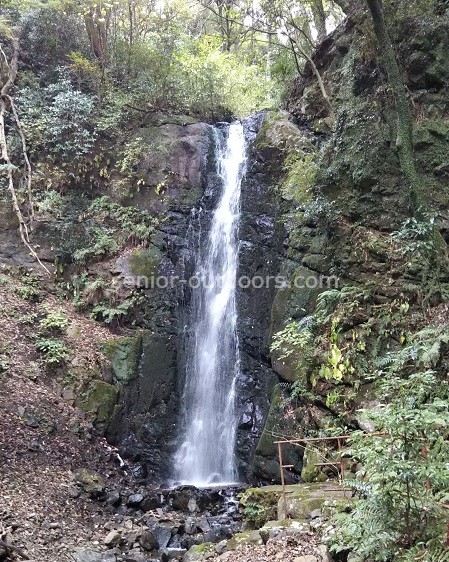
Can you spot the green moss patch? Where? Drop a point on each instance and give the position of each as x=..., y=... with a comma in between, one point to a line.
x=124, y=355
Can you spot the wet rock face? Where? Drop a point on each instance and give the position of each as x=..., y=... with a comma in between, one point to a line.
x=149, y=405
x=261, y=249
x=146, y=366
x=150, y=370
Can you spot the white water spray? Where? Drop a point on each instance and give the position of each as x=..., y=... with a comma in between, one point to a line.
x=206, y=455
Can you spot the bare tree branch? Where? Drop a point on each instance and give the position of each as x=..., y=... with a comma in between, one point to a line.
x=5, y=102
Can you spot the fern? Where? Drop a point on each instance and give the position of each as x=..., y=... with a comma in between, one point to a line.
x=54, y=351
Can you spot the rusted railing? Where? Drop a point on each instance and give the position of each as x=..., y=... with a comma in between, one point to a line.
x=338, y=464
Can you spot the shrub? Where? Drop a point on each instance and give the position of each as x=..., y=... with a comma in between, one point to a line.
x=54, y=351
x=404, y=471
x=54, y=321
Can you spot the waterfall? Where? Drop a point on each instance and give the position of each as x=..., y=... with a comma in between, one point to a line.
x=206, y=455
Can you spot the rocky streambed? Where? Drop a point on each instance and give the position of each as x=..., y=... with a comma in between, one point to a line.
x=191, y=524
x=158, y=524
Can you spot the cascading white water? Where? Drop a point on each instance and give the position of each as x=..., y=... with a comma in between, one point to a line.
x=206, y=455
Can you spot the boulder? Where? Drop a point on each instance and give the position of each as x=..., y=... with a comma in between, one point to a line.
x=221, y=547
x=113, y=498
x=150, y=502
x=124, y=354
x=241, y=539
x=148, y=541
x=89, y=481
x=113, y=538
x=134, y=500
x=304, y=499
x=163, y=535
x=99, y=400
x=278, y=529
x=199, y=552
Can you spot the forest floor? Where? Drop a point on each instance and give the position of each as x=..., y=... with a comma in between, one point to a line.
x=42, y=440
x=43, y=437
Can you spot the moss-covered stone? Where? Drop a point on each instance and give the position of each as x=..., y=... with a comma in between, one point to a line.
x=124, y=355
x=199, y=552
x=266, y=446
x=265, y=498
x=301, y=500
x=144, y=263
x=242, y=539
x=279, y=132
x=90, y=481
x=272, y=529
x=99, y=401
x=310, y=471
x=266, y=454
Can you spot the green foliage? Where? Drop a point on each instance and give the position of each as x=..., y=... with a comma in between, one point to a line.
x=420, y=242
x=196, y=76
x=256, y=514
x=258, y=506
x=54, y=351
x=136, y=226
x=416, y=237
x=49, y=204
x=337, y=364
x=103, y=244
x=301, y=168
x=112, y=226
x=322, y=210
x=295, y=337
x=55, y=321
x=29, y=288
x=47, y=37
x=398, y=511
x=217, y=83
x=58, y=120
x=113, y=314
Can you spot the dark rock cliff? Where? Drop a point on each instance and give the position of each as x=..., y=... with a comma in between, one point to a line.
x=340, y=226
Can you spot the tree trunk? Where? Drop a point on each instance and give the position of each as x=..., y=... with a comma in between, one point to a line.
x=319, y=19
x=404, y=133
x=97, y=32
x=345, y=5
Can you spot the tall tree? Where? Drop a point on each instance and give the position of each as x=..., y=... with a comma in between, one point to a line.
x=404, y=133
x=319, y=18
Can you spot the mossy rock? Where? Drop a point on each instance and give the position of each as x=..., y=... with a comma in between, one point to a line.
x=99, y=401
x=199, y=552
x=89, y=481
x=242, y=539
x=341, y=505
x=302, y=499
x=8, y=218
x=266, y=497
x=124, y=355
x=279, y=132
x=266, y=446
x=310, y=472
x=293, y=368
x=297, y=300
x=144, y=263
x=190, y=197
x=266, y=462
x=272, y=529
